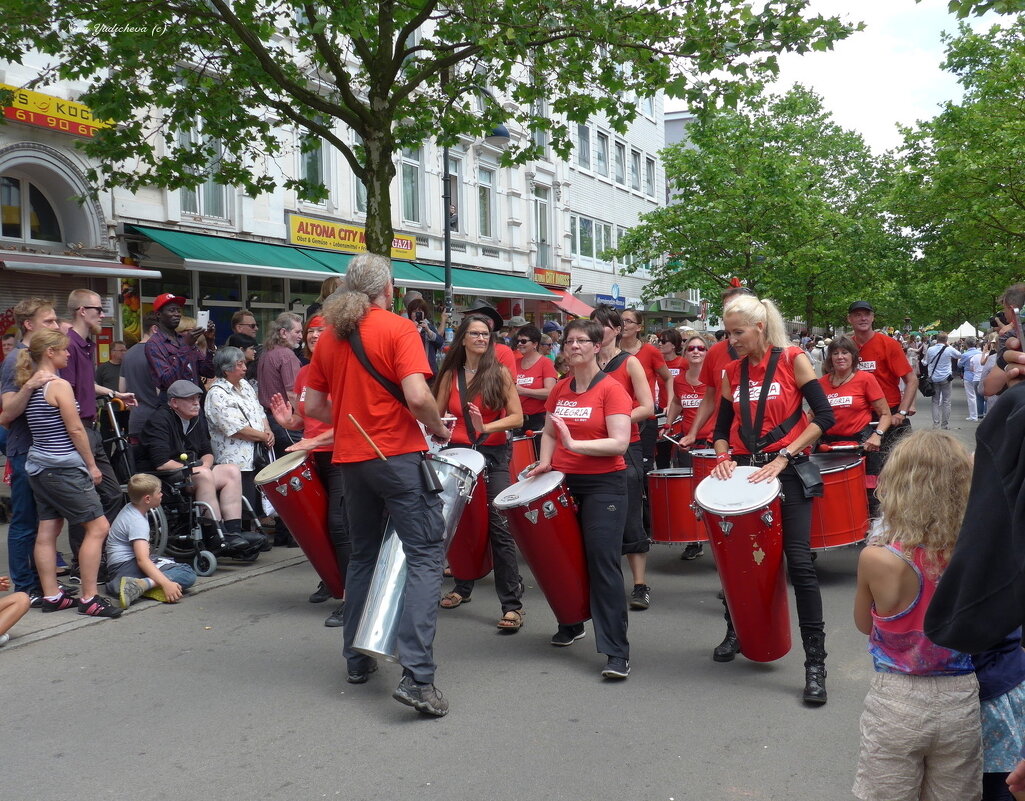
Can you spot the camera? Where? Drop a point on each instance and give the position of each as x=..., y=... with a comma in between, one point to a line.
x=418, y=316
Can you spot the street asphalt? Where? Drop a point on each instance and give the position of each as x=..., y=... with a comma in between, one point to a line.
x=238, y=692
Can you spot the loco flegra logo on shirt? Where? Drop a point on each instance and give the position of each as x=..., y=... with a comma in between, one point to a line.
x=867, y=366
x=570, y=410
x=755, y=390
x=839, y=400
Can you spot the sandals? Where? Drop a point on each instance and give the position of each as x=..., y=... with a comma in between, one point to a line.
x=451, y=600
x=511, y=621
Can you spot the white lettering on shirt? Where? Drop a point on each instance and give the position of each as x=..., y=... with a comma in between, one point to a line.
x=868, y=366
x=674, y=371
x=690, y=402
x=524, y=380
x=570, y=411
x=755, y=390
x=840, y=400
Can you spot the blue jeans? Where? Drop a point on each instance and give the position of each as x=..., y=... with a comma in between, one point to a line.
x=182, y=574
x=21, y=536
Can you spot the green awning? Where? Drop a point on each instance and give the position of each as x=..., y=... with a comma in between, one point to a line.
x=404, y=273
x=477, y=282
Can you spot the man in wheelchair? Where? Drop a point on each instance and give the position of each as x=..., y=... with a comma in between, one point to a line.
x=176, y=438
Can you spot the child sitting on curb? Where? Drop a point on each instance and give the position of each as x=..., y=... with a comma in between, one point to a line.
x=12, y=609
x=134, y=572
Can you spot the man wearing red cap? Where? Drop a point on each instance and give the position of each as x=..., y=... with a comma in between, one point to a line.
x=173, y=356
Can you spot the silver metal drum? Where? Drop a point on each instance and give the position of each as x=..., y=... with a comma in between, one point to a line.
x=377, y=634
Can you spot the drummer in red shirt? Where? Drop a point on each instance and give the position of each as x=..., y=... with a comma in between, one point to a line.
x=670, y=342
x=855, y=398
x=475, y=389
x=628, y=371
x=586, y=434
x=319, y=438
x=535, y=376
x=777, y=378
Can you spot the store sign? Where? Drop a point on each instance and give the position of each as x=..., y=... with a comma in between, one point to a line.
x=671, y=305
x=54, y=113
x=331, y=235
x=554, y=278
x=608, y=300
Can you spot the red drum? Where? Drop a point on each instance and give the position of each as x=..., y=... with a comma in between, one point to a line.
x=543, y=520
x=524, y=454
x=745, y=528
x=670, y=493
x=703, y=463
x=840, y=516
x=469, y=554
x=297, y=494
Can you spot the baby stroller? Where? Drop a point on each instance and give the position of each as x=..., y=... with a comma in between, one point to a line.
x=182, y=527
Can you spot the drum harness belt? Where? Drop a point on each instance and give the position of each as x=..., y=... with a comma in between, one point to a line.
x=431, y=480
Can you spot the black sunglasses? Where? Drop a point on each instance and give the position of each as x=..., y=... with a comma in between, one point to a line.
x=523, y=341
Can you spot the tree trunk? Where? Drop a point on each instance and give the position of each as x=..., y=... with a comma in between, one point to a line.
x=380, y=170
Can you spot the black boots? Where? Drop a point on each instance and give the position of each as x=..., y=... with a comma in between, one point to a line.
x=729, y=647
x=814, y=667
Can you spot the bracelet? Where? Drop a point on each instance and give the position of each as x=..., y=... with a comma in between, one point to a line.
x=722, y=457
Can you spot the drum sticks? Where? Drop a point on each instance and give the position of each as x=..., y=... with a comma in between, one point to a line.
x=366, y=436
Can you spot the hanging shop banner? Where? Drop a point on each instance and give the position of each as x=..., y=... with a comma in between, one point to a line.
x=55, y=113
x=555, y=278
x=331, y=235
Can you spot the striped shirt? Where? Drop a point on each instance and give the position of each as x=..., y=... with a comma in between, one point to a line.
x=49, y=436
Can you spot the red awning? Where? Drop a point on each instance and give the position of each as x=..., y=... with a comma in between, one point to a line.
x=568, y=303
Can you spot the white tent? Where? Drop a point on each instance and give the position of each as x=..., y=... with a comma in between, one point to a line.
x=966, y=329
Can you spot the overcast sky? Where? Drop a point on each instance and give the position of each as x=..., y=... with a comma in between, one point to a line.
x=888, y=73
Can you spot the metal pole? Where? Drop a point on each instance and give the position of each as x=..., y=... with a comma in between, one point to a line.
x=446, y=198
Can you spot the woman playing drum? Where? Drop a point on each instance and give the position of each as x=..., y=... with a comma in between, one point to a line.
x=475, y=388
x=535, y=377
x=855, y=396
x=318, y=437
x=671, y=344
x=586, y=434
x=626, y=369
x=767, y=385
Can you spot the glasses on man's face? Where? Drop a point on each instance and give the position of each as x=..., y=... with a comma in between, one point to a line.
x=697, y=348
x=522, y=341
x=94, y=308
x=249, y=325
x=580, y=342
x=478, y=334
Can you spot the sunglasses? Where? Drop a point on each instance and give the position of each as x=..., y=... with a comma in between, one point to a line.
x=94, y=308
x=697, y=348
x=523, y=341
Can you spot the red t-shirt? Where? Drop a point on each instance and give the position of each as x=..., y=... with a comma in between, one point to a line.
x=623, y=377
x=506, y=357
x=675, y=367
x=783, y=398
x=712, y=368
x=652, y=361
x=851, y=402
x=459, y=433
x=311, y=426
x=533, y=377
x=584, y=414
x=394, y=347
x=884, y=358
x=690, y=396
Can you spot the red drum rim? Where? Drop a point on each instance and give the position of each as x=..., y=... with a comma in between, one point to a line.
x=835, y=462
x=672, y=472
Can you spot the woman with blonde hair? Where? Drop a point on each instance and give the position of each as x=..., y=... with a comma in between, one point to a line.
x=63, y=475
x=920, y=731
x=767, y=386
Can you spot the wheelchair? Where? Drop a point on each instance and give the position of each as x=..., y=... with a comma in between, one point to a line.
x=182, y=527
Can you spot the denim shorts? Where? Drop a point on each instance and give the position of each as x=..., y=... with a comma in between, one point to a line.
x=65, y=492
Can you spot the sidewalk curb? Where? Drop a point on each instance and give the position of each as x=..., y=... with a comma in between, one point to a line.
x=201, y=586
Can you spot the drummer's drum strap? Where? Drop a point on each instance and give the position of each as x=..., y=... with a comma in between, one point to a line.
x=361, y=354
x=464, y=404
x=749, y=431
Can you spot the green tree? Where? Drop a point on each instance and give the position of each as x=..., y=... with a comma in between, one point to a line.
x=395, y=72
x=964, y=8
x=961, y=189
x=780, y=196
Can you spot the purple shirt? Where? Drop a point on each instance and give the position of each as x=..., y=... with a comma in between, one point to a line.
x=19, y=437
x=171, y=359
x=276, y=373
x=81, y=374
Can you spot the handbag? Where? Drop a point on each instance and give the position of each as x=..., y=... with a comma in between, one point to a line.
x=810, y=475
x=925, y=384
x=262, y=456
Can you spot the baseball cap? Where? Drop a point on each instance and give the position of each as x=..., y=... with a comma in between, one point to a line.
x=168, y=297
x=550, y=326
x=860, y=304
x=183, y=389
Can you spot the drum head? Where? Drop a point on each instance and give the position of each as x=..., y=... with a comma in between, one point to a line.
x=736, y=495
x=703, y=453
x=464, y=457
x=672, y=472
x=835, y=462
x=279, y=467
x=530, y=489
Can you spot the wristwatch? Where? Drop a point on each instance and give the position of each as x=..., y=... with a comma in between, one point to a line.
x=879, y=432
x=902, y=413
x=786, y=454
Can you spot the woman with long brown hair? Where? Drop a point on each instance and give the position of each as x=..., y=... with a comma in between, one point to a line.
x=479, y=392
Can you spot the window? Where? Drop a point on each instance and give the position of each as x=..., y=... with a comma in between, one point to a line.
x=620, y=233
x=649, y=177
x=542, y=225
x=455, y=194
x=584, y=147
x=25, y=213
x=602, y=239
x=209, y=199
x=412, y=183
x=486, y=202
x=539, y=136
x=358, y=186
x=311, y=167
x=573, y=235
x=586, y=237
x=589, y=238
x=635, y=170
x=601, y=154
x=648, y=106
x=620, y=163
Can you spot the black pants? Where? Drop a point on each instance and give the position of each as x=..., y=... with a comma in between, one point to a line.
x=337, y=521
x=603, y=508
x=531, y=422
x=635, y=527
x=508, y=582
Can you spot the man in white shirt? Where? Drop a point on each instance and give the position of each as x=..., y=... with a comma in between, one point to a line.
x=940, y=370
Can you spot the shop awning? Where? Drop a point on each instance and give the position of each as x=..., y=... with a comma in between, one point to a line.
x=404, y=273
x=570, y=304
x=478, y=282
x=71, y=265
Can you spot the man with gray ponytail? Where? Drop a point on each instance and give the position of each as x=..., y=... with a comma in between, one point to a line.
x=380, y=447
